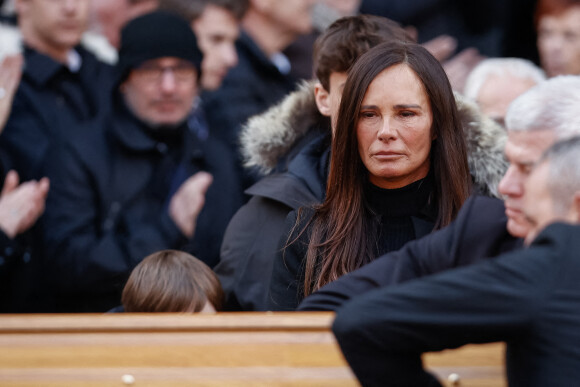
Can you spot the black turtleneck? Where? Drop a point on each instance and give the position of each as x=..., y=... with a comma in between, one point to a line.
x=399, y=211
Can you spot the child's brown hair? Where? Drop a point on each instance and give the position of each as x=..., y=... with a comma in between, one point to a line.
x=171, y=281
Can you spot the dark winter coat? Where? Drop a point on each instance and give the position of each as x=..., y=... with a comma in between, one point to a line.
x=252, y=235
x=291, y=144
x=51, y=103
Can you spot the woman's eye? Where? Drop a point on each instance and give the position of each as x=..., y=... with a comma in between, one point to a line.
x=407, y=114
x=367, y=114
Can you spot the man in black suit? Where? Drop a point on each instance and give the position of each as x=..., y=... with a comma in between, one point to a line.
x=484, y=227
x=62, y=86
x=528, y=298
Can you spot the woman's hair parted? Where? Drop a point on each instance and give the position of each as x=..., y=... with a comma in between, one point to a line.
x=344, y=231
x=171, y=281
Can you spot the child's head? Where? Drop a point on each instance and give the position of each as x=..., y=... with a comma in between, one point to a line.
x=337, y=48
x=172, y=281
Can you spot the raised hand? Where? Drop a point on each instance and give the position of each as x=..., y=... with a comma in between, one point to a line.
x=21, y=205
x=188, y=202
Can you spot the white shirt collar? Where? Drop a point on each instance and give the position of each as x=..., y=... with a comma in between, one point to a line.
x=282, y=62
x=74, y=61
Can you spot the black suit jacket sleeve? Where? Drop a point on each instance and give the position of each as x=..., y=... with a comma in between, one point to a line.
x=384, y=332
x=478, y=232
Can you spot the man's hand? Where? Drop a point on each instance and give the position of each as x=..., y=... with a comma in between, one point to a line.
x=10, y=72
x=459, y=67
x=188, y=201
x=21, y=205
x=441, y=47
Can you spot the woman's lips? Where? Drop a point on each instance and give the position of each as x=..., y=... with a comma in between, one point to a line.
x=387, y=155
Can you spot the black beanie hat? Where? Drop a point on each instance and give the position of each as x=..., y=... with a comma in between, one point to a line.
x=156, y=35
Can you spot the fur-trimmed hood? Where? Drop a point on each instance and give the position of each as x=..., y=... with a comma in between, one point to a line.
x=267, y=137
x=485, y=147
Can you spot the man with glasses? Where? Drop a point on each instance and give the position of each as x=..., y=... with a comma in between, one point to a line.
x=142, y=182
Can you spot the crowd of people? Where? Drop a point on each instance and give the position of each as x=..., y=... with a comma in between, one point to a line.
x=179, y=156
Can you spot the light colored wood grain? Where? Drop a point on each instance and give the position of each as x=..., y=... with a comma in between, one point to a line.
x=167, y=321
x=226, y=349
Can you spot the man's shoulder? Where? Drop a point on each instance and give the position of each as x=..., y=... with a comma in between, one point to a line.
x=283, y=188
x=88, y=57
x=482, y=208
x=481, y=201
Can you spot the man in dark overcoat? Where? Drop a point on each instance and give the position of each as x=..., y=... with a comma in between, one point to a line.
x=141, y=182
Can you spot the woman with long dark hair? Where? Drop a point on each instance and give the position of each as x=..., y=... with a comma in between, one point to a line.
x=398, y=171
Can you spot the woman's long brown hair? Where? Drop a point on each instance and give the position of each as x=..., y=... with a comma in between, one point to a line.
x=344, y=232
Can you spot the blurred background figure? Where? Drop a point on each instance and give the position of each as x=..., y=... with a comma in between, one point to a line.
x=106, y=18
x=495, y=82
x=479, y=24
x=324, y=13
x=262, y=77
x=20, y=207
x=216, y=24
x=63, y=85
x=109, y=16
x=172, y=281
x=558, y=27
x=462, y=33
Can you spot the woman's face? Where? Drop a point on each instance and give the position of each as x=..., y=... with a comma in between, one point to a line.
x=394, y=128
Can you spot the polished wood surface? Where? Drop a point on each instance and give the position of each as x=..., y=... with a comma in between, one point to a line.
x=225, y=349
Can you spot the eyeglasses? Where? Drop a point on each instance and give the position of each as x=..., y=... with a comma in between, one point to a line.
x=184, y=71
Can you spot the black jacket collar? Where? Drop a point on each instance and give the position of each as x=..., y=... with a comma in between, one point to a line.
x=255, y=53
x=40, y=68
x=132, y=134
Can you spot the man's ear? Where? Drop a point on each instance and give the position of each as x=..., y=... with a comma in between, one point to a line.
x=322, y=98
